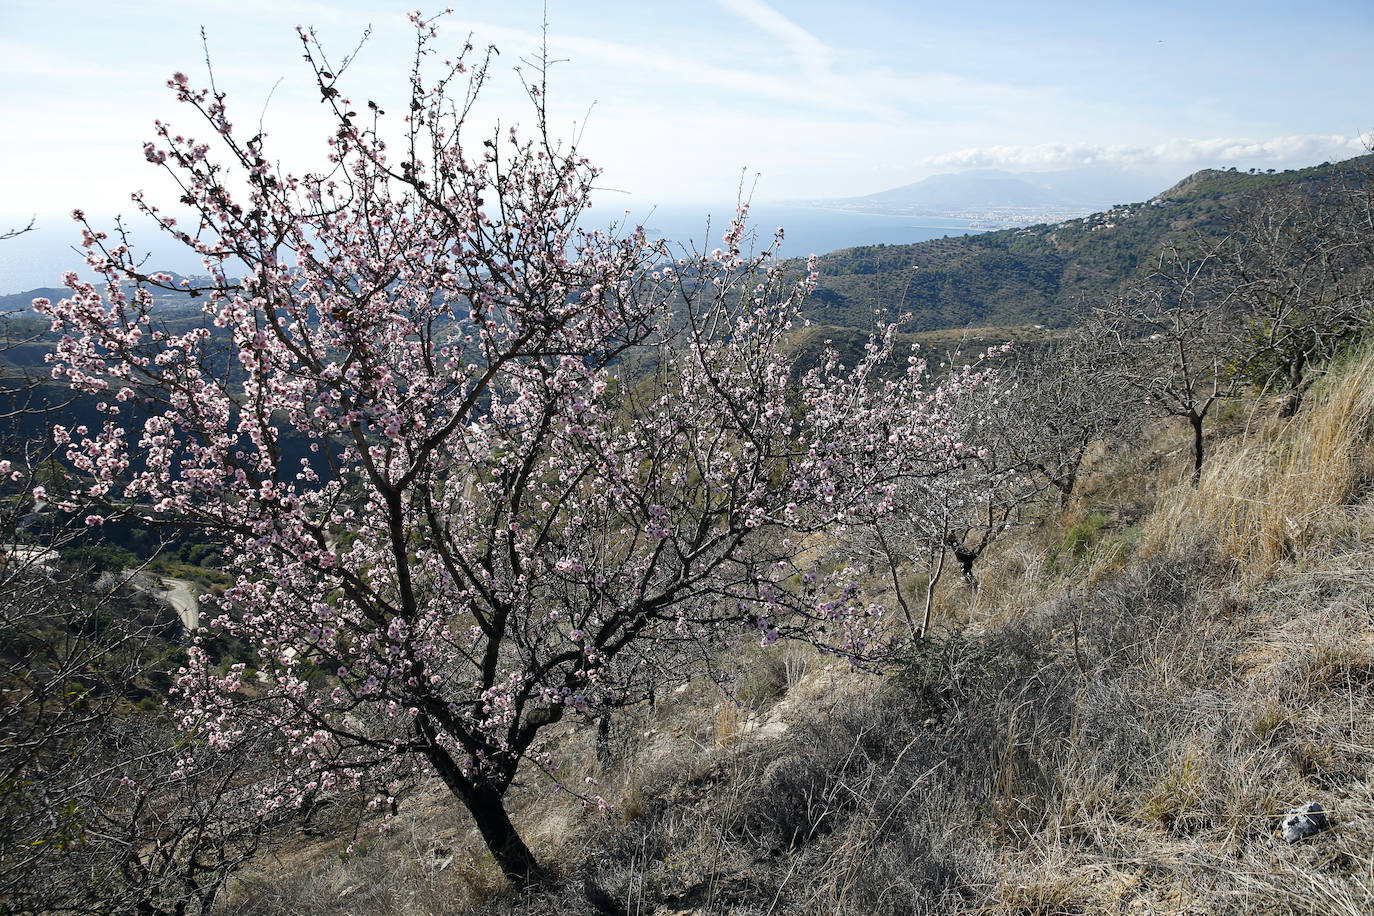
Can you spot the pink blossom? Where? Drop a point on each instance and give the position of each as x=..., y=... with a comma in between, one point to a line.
x=451, y=351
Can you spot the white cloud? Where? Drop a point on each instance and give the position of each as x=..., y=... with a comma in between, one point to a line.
x=1300, y=149
x=815, y=56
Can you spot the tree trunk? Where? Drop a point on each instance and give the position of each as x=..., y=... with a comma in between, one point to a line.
x=603, y=739
x=1298, y=383
x=966, y=560
x=1065, y=485
x=1196, y=420
x=513, y=857
x=1291, y=402
x=896, y=582
x=488, y=810
x=931, y=579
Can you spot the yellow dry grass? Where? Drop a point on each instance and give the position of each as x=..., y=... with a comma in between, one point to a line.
x=1271, y=495
x=1153, y=789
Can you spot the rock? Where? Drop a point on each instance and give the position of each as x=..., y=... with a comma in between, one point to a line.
x=1302, y=822
x=774, y=729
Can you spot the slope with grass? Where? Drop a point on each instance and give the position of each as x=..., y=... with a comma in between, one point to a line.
x=1116, y=720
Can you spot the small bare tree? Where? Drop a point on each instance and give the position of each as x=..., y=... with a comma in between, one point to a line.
x=1177, y=339
x=1055, y=403
x=1299, y=262
x=918, y=535
x=956, y=509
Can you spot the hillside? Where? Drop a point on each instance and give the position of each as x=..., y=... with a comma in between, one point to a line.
x=1120, y=712
x=1010, y=279
x=1116, y=720
x=1135, y=666
x=1046, y=274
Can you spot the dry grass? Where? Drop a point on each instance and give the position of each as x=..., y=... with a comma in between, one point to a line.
x=416, y=870
x=1149, y=683
x=1285, y=493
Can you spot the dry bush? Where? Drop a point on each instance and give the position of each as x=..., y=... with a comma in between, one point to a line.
x=1026, y=770
x=863, y=806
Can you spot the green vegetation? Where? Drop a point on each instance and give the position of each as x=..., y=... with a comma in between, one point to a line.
x=1079, y=538
x=1047, y=274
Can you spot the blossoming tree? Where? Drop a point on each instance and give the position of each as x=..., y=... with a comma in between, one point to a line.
x=545, y=469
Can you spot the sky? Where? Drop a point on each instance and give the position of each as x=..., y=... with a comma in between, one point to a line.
x=681, y=100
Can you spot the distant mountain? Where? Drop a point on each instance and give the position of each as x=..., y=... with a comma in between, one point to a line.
x=22, y=302
x=1007, y=197
x=967, y=190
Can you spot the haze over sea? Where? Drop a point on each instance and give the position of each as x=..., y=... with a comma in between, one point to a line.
x=809, y=229
x=38, y=258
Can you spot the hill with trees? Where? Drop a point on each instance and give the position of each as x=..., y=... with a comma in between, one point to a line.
x=1048, y=274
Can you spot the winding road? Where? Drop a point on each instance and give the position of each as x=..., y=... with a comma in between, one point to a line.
x=178, y=593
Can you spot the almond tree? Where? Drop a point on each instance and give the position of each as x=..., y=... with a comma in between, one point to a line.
x=476, y=468
x=1298, y=260
x=1054, y=403
x=954, y=512
x=1177, y=339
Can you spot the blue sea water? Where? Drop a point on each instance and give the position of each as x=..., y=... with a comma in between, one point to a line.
x=38, y=258
x=809, y=230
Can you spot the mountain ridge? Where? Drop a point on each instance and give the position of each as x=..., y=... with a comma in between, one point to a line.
x=1042, y=273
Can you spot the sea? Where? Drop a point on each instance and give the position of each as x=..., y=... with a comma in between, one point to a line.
x=809, y=230
x=38, y=258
